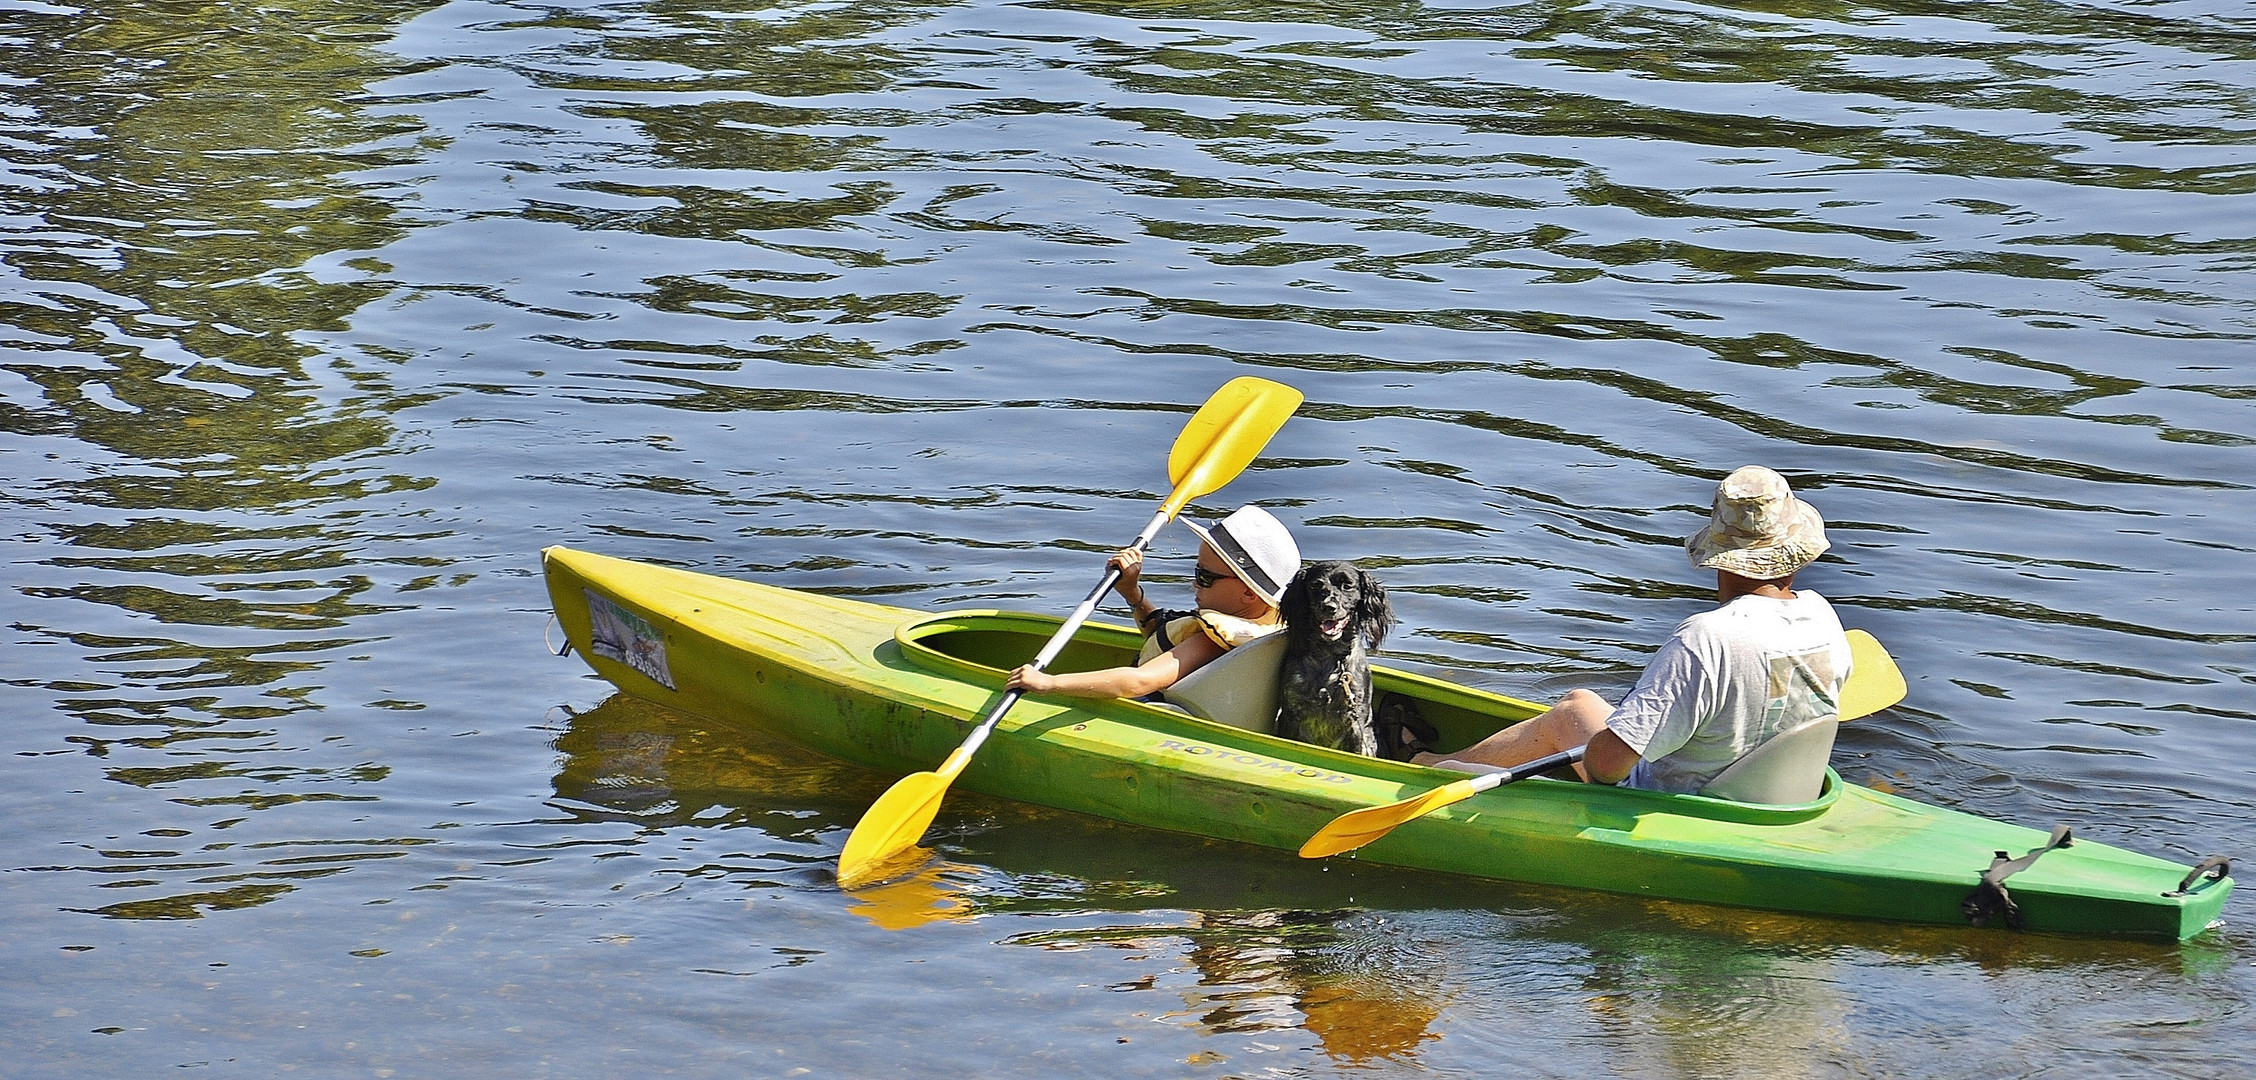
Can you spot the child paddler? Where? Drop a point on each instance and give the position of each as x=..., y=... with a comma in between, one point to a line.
x=1244, y=562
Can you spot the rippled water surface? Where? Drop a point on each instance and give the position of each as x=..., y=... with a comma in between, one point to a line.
x=319, y=319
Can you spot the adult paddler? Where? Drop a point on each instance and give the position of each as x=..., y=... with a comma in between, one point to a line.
x=1768, y=658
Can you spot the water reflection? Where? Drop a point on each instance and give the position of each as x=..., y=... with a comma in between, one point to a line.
x=1362, y=988
x=1693, y=1005
x=930, y=895
x=1343, y=976
x=1371, y=964
x=200, y=571
x=633, y=761
x=1680, y=987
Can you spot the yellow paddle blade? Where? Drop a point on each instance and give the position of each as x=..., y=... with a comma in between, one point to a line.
x=1874, y=682
x=1356, y=828
x=1224, y=436
x=892, y=825
x=895, y=822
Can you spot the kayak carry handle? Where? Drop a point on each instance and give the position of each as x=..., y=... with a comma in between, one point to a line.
x=2215, y=868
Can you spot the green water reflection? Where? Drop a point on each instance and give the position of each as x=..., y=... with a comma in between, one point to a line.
x=189, y=162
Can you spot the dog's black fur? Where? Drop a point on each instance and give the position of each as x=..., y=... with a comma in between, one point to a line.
x=1335, y=614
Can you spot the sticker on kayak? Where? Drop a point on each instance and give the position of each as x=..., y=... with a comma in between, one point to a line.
x=622, y=635
x=1255, y=760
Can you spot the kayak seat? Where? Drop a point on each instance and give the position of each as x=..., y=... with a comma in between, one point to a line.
x=1786, y=770
x=1238, y=688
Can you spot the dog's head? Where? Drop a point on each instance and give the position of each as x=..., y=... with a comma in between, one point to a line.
x=1336, y=602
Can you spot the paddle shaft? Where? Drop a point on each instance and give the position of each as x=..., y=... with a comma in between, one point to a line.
x=1491, y=781
x=1065, y=631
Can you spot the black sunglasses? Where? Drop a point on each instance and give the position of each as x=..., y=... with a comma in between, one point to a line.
x=1204, y=578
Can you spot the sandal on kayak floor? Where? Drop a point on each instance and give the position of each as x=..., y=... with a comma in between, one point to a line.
x=1403, y=733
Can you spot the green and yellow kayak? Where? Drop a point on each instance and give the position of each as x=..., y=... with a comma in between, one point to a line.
x=896, y=690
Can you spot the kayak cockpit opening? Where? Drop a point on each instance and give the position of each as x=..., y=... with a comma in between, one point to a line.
x=980, y=645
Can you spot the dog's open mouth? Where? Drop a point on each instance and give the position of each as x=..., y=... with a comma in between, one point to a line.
x=1331, y=628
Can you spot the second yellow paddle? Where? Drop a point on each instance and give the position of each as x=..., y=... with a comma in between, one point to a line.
x=1221, y=439
x=1874, y=683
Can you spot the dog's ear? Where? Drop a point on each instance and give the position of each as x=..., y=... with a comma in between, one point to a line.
x=1293, y=602
x=1374, y=614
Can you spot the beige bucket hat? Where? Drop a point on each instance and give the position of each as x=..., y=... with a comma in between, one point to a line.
x=1758, y=528
x=1258, y=545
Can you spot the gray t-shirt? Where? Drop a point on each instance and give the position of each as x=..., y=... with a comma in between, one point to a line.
x=1726, y=681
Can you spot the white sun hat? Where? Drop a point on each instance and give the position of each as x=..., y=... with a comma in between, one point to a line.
x=1758, y=529
x=1258, y=546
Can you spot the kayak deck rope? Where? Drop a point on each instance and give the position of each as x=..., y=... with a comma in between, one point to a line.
x=1990, y=898
x=550, y=646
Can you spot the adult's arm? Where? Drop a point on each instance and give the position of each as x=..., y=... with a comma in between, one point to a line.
x=1608, y=759
x=1659, y=714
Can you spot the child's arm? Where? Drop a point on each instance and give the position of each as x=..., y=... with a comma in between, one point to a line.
x=1152, y=676
x=1130, y=586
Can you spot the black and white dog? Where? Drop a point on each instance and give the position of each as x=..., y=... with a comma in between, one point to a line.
x=1334, y=614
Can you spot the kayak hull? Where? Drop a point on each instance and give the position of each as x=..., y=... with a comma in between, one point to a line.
x=896, y=690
